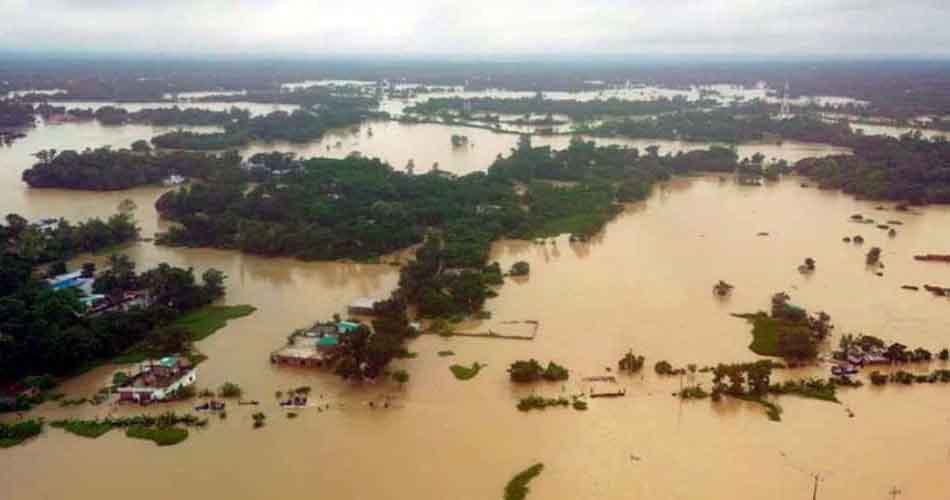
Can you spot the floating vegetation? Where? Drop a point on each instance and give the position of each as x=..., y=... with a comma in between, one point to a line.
x=517, y=488
x=446, y=353
x=161, y=436
x=465, y=372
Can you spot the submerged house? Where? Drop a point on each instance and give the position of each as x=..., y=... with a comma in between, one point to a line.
x=74, y=279
x=313, y=348
x=363, y=306
x=158, y=380
x=98, y=304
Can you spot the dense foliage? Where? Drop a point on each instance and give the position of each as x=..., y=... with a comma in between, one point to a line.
x=62, y=240
x=105, y=169
x=114, y=115
x=298, y=126
x=44, y=330
x=726, y=125
x=908, y=168
x=576, y=109
x=15, y=114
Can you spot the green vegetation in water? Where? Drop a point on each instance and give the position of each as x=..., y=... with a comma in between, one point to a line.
x=259, y=419
x=209, y=319
x=517, y=488
x=85, y=428
x=17, y=433
x=772, y=410
x=465, y=372
x=524, y=371
x=163, y=429
x=630, y=363
x=787, y=332
x=162, y=436
x=535, y=402
x=446, y=353
x=230, y=390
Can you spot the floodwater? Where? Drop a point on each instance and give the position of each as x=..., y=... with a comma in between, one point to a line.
x=643, y=283
x=427, y=143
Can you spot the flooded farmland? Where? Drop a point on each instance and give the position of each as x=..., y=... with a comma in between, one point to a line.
x=643, y=283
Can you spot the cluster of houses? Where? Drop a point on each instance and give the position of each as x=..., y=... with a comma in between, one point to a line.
x=291, y=166
x=321, y=343
x=157, y=380
x=97, y=303
x=314, y=347
x=850, y=363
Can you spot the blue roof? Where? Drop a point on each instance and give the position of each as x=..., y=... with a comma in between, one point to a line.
x=328, y=340
x=347, y=326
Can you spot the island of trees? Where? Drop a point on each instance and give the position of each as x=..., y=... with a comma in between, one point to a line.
x=105, y=169
x=575, y=109
x=298, y=126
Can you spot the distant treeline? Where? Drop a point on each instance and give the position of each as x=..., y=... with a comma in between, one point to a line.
x=538, y=105
x=15, y=114
x=298, y=126
x=113, y=115
x=726, y=125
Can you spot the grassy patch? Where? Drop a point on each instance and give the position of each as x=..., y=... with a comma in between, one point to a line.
x=162, y=436
x=766, y=332
x=14, y=434
x=517, y=488
x=209, y=319
x=466, y=372
x=85, y=428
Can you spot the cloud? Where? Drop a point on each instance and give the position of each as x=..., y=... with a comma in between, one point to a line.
x=321, y=27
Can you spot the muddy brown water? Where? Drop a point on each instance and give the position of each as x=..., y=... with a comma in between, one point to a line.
x=644, y=283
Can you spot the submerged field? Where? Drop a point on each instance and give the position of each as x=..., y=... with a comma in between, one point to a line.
x=644, y=283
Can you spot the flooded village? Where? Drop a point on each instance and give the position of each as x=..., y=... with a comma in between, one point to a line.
x=624, y=338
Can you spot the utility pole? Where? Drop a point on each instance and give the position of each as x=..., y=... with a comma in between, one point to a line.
x=894, y=492
x=814, y=493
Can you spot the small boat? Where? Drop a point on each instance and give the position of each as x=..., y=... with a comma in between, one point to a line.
x=248, y=403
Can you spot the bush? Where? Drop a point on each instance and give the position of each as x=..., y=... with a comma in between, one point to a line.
x=520, y=268
x=525, y=371
x=401, y=376
x=259, y=419
x=555, y=372
x=663, y=368
x=630, y=363
x=230, y=390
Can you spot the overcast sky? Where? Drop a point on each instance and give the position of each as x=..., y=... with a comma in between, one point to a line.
x=486, y=27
